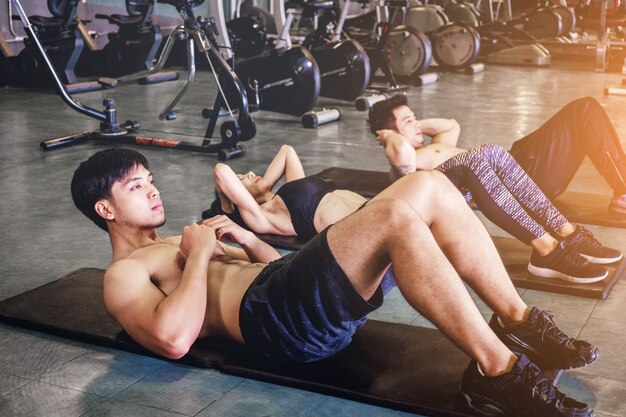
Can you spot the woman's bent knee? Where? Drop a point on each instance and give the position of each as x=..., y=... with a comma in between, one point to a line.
x=490, y=149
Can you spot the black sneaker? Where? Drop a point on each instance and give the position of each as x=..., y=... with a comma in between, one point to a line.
x=544, y=343
x=567, y=264
x=583, y=242
x=523, y=392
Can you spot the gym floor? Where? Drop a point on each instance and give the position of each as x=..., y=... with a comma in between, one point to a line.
x=45, y=238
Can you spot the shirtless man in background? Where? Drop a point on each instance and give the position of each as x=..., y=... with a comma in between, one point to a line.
x=510, y=187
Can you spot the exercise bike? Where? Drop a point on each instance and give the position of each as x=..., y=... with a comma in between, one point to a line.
x=132, y=48
x=59, y=37
x=460, y=11
x=344, y=65
x=280, y=79
x=200, y=31
x=455, y=44
x=401, y=52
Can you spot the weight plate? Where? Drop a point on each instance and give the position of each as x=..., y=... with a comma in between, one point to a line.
x=426, y=18
x=463, y=12
x=544, y=23
x=408, y=51
x=456, y=45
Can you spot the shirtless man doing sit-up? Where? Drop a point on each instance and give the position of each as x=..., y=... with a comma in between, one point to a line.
x=167, y=292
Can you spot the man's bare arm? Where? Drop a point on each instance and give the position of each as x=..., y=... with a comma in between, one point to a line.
x=252, y=249
x=287, y=163
x=233, y=192
x=446, y=131
x=399, y=153
x=167, y=325
x=264, y=253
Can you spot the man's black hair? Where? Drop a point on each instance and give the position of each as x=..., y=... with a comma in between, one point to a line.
x=381, y=116
x=94, y=178
x=216, y=209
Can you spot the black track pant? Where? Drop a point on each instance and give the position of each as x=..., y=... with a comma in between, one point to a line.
x=552, y=154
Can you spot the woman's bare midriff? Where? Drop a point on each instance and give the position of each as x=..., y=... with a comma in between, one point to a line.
x=335, y=206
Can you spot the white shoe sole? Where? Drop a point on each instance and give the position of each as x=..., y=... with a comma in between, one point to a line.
x=551, y=273
x=602, y=261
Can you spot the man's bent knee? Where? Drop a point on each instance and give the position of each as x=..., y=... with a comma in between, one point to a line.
x=435, y=186
x=392, y=213
x=429, y=180
x=378, y=226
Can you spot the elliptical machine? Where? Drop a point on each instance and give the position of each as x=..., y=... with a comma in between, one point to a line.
x=515, y=41
x=202, y=32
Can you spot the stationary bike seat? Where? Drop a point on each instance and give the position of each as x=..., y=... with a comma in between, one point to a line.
x=314, y=4
x=180, y=3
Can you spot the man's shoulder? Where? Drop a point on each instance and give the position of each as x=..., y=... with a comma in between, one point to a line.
x=173, y=240
x=125, y=267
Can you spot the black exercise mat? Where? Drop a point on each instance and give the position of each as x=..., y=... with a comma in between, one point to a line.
x=589, y=209
x=578, y=207
x=398, y=366
x=516, y=255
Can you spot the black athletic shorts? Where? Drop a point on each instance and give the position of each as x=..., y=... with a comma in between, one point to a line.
x=303, y=307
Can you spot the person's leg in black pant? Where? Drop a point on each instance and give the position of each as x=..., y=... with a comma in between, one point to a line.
x=552, y=154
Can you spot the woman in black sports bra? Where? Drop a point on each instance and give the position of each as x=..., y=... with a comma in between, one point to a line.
x=302, y=207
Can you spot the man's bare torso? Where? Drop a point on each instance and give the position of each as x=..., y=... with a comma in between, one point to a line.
x=432, y=155
x=228, y=279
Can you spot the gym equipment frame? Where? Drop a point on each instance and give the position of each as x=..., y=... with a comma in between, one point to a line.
x=111, y=131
